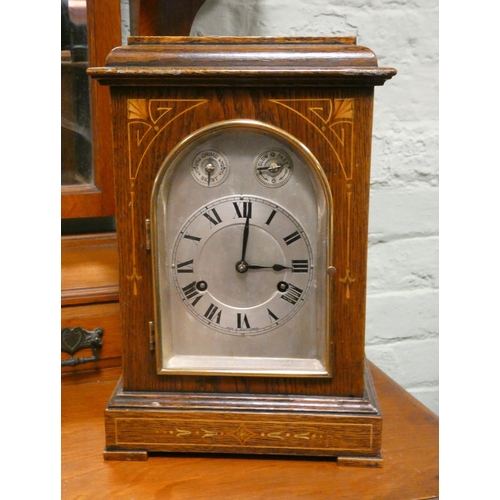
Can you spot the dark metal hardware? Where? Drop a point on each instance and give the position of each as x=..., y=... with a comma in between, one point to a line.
x=75, y=339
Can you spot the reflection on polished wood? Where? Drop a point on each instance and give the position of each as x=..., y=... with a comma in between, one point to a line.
x=409, y=449
x=163, y=17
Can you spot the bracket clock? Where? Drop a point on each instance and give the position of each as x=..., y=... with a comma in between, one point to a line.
x=242, y=186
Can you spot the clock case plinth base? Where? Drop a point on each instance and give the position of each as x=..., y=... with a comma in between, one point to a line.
x=346, y=428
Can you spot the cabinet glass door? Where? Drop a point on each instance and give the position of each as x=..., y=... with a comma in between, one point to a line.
x=76, y=130
x=90, y=29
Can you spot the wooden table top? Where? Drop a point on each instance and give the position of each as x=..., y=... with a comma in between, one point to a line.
x=409, y=449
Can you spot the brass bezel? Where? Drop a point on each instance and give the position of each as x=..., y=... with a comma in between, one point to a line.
x=326, y=191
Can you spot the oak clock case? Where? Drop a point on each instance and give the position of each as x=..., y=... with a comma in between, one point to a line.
x=242, y=185
x=241, y=215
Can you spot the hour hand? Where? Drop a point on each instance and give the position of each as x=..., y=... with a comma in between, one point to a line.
x=275, y=267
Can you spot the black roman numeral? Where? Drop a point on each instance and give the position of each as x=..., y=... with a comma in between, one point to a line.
x=191, y=292
x=242, y=321
x=189, y=237
x=272, y=316
x=292, y=237
x=292, y=295
x=185, y=267
x=214, y=218
x=213, y=311
x=246, y=209
x=271, y=217
x=300, y=266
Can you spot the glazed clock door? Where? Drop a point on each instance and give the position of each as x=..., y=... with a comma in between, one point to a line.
x=241, y=230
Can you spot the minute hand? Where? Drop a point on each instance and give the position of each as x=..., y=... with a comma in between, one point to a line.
x=276, y=267
x=246, y=230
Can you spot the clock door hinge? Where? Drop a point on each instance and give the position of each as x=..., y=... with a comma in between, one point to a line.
x=151, y=336
x=148, y=234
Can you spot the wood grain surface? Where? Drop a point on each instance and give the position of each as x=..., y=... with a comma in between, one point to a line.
x=89, y=269
x=89, y=297
x=410, y=450
x=346, y=166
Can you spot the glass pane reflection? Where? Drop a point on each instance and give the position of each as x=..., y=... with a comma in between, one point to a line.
x=76, y=139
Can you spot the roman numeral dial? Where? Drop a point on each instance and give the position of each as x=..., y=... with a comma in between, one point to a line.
x=242, y=265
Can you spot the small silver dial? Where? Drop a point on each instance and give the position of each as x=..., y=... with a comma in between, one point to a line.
x=273, y=167
x=210, y=167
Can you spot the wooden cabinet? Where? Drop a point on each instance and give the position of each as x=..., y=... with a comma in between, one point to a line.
x=93, y=195
x=89, y=300
x=89, y=277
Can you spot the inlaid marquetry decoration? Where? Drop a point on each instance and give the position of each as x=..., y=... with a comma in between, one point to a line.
x=261, y=434
x=147, y=118
x=333, y=119
x=347, y=279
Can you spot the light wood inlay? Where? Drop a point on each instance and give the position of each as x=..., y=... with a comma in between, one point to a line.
x=334, y=120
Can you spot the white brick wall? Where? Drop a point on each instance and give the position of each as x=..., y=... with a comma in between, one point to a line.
x=402, y=308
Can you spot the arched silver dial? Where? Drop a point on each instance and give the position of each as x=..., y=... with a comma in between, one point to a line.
x=242, y=265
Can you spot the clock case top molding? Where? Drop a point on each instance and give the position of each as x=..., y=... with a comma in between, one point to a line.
x=318, y=90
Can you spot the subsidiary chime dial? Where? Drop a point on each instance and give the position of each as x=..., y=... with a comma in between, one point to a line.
x=242, y=248
x=273, y=167
x=210, y=168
